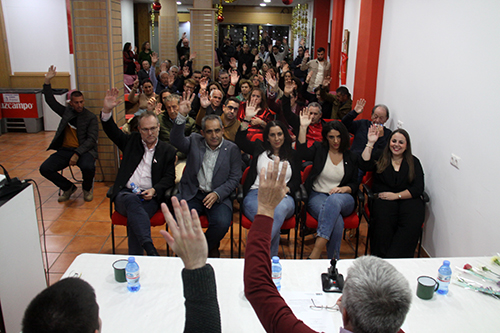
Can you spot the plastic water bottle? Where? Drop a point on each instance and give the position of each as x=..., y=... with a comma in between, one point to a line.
x=136, y=190
x=276, y=271
x=132, y=274
x=444, y=277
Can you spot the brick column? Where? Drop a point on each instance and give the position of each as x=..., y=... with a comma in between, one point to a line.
x=97, y=35
x=168, y=24
x=203, y=33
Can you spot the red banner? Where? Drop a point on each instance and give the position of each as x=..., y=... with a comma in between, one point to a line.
x=19, y=106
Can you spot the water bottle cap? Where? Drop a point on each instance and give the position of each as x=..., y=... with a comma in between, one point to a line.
x=131, y=259
x=132, y=184
x=276, y=259
x=446, y=263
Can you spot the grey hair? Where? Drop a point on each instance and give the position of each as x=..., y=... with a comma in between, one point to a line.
x=173, y=97
x=212, y=92
x=173, y=67
x=316, y=104
x=383, y=106
x=161, y=74
x=376, y=296
x=147, y=114
x=211, y=117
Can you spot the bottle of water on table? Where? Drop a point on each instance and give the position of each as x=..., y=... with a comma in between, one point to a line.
x=276, y=271
x=132, y=274
x=444, y=277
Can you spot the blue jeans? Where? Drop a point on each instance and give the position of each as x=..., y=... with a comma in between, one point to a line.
x=283, y=211
x=219, y=219
x=138, y=215
x=328, y=210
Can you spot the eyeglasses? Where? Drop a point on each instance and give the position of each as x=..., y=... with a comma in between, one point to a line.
x=321, y=307
x=232, y=108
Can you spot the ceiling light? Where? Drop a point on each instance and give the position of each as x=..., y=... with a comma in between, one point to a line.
x=263, y=5
x=179, y=3
x=267, y=0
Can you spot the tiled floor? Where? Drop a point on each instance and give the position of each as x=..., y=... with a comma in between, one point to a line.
x=76, y=226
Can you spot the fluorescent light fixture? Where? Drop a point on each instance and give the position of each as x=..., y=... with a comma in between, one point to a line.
x=263, y=5
x=179, y=3
x=267, y=1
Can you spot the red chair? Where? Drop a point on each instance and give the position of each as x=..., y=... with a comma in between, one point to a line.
x=288, y=224
x=350, y=222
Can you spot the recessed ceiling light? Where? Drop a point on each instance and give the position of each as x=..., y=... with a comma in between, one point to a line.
x=263, y=5
x=179, y=3
x=267, y=0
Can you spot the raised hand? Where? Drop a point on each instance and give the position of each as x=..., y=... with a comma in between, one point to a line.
x=272, y=188
x=203, y=83
x=360, y=104
x=192, y=56
x=305, y=117
x=170, y=79
x=232, y=63
x=278, y=64
x=302, y=42
x=244, y=67
x=187, y=240
x=204, y=101
x=373, y=134
x=151, y=103
x=136, y=84
x=185, y=71
x=326, y=81
x=235, y=77
x=51, y=73
x=154, y=59
x=158, y=109
x=285, y=67
x=306, y=54
x=257, y=57
x=135, y=49
x=110, y=101
x=270, y=80
x=185, y=103
x=184, y=35
x=251, y=109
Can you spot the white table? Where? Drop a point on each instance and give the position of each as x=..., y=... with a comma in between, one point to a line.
x=159, y=305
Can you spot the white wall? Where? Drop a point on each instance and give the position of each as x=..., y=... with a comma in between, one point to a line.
x=439, y=74
x=127, y=9
x=37, y=35
x=351, y=23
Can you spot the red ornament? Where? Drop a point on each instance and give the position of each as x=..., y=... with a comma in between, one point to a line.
x=220, y=18
x=287, y=2
x=156, y=5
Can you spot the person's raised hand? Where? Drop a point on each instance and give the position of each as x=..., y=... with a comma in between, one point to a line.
x=272, y=188
x=187, y=239
x=192, y=56
x=235, y=77
x=184, y=35
x=251, y=109
x=270, y=80
x=136, y=84
x=244, y=67
x=285, y=67
x=110, y=100
x=372, y=134
x=302, y=42
x=360, y=104
x=203, y=83
x=326, y=82
x=185, y=71
x=151, y=103
x=278, y=64
x=163, y=67
x=306, y=54
x=232, y=63
x=170, y=79
x=51, y=73
x=158, y=109
x=135, y=49
x=185, y=103
x=154, y=59
x=305, y=117
x=289, y=86
x=204, y=101
x=257, y=57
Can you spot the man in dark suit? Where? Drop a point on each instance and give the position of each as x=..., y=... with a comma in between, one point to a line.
x=213, y=171
x=148, y=164
x=75, y=142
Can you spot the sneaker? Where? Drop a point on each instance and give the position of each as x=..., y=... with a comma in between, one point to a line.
x=67, y=194
x=88, y=195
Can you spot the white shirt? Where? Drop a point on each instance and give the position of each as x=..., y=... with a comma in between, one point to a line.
x=330, y=177
x=263, y=161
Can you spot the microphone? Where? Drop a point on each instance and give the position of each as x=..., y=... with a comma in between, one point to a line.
x=333, y=281
x=6, y=174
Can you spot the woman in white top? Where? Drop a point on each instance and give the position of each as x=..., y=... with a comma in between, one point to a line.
x=277, y=142
x=331, y=184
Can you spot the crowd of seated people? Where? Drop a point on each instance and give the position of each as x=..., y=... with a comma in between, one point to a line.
x=260, y=99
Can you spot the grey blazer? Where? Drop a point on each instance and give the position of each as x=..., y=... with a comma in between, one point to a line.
x=227, y=172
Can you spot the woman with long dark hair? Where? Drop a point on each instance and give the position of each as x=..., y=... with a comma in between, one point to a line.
x=332, y=183
x=398, y=181
x=277, y=142
x=145, y=53
x=262, y=116
x=129, y=58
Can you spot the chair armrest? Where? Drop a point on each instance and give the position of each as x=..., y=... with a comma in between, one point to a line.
x=110, y=192
x=425, y=197
x=239, y=195
x=368, y=191
x=303, y=193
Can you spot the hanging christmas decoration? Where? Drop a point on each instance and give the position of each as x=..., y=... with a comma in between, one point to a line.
x=220, y=17
x=287, y=2
x=299, y=21
x=156, y=6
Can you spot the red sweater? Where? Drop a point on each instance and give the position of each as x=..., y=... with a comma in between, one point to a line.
x=270, y=307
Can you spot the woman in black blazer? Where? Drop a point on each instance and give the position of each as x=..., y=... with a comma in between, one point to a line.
x=331, y=184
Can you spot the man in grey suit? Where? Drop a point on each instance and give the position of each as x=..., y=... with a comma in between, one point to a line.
x=213, y=171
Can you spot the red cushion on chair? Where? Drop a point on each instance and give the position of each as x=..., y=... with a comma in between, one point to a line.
x=156, y=220
x=204, y=221
x=350, y=222
x=288, y=224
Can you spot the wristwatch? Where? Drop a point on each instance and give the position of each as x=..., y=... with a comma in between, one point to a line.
x=399, y=195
